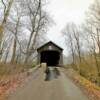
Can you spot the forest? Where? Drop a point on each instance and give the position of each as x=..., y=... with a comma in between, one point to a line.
x=23, y=28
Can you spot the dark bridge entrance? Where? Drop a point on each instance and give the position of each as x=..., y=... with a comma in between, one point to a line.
x=50, y=57
x=51, y=54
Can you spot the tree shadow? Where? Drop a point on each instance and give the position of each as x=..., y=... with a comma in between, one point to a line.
x=56, y=73
x=51, y=74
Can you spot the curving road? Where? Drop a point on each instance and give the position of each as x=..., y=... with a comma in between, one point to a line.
x=56, y=87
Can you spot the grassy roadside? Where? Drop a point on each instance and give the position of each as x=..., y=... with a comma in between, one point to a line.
x=12, y=76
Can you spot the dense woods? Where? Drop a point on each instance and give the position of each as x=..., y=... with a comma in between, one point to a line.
x=83, y=42
x=22, y=26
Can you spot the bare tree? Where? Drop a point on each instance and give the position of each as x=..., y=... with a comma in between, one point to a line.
x=5, y=17
x=93, y=18
x=28, y=22
x=69, y=40
x=93, y=37
x=6, y=53
x=15, y=42
x=77, y=39
x=73, y=35
x=39, y=21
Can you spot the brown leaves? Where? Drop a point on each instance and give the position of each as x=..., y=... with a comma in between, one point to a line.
x=90, y=87
x=10, y=84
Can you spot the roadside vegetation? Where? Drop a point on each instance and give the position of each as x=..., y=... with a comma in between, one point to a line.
x=83, y=42
x=22, y=29
x=23, y=24
x=87, y=69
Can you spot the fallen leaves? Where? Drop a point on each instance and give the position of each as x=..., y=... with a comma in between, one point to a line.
x=91, y=87
x=10, y=84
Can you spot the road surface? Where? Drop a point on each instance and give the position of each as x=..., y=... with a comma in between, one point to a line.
x=57, y=87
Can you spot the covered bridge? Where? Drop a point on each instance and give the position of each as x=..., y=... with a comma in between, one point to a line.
x=51, y=54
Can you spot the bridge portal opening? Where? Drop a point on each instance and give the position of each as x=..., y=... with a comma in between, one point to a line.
x=50, y=57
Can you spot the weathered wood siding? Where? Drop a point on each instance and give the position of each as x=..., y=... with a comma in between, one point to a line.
x=52, y=47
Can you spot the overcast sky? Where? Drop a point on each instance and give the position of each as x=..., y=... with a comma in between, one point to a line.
x=64, y=11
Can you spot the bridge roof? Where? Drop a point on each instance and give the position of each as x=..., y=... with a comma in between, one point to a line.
x=48, y=43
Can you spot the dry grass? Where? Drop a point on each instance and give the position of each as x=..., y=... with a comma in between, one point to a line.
x=88, y=69
x=11, y=69
x=11, y=76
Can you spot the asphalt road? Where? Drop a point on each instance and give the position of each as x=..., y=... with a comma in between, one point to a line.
x=56, y=86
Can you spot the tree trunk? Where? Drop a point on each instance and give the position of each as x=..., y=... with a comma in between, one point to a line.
x=13, y=59
x=6, y=14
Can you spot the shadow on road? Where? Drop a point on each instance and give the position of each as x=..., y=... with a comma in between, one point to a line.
x=51, y=74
